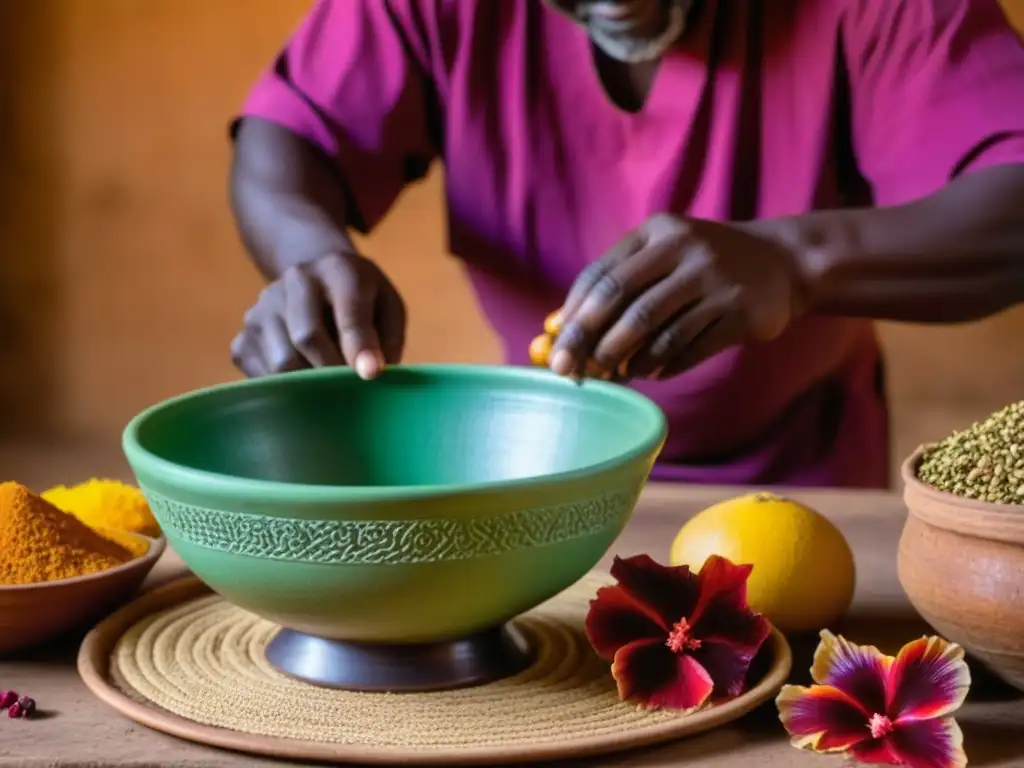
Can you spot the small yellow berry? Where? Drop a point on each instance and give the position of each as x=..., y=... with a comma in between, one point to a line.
x=553, y=323
x=540, y=349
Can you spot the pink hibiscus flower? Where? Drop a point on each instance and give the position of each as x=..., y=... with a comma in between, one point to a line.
x=676, y=639
x=879, y=709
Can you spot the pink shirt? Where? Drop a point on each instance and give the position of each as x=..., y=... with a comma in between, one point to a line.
x=758, y=113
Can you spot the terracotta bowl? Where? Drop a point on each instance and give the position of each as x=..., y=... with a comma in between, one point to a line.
x=961, y=563
x=32, y=614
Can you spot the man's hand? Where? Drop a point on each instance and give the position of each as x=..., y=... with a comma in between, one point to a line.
x=337, y=310
x=674, y=292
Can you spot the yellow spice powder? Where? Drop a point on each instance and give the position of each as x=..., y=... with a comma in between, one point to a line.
x=134, y=544
x=40, y=543
x=106, y=505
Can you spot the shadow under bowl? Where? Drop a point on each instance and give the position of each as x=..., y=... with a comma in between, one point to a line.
x=388, y=524
x=961, y=564
x=33, y=614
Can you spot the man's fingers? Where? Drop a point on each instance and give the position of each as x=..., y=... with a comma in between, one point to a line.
x=278, y=352
x=593, y=273
x=670, y=343
x=322, y=314
x=606, y=300
x=716, y=337
x=304, y=303
x=645, y=317
x=352, y=301
x=245, y=354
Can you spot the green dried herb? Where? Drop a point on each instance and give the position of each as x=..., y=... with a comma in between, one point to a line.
x=985, y=461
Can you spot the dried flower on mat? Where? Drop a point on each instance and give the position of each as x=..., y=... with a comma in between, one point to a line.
x=676, y=639
x=25, y=707
x=17, y=706
x=881, y=710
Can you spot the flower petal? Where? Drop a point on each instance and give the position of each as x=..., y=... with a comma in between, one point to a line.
x=859, y=671
x=671, y=592
x=929, y=678
x=616, y=619
x=874, y=752
x=937, y=743
x=647, y=672
x=821, y=718
x=723, y=613
x=726, y=664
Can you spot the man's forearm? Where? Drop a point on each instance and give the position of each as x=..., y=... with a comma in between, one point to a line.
x=955, y=256
x=288, y=203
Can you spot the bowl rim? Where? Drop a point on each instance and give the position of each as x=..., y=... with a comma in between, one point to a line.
x=913, y=483
x=157, y=545
x=269, y=490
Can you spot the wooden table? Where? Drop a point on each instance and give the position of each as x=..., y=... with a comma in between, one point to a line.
x=80, y=731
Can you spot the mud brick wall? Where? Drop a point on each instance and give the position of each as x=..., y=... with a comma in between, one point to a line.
x=121, y=281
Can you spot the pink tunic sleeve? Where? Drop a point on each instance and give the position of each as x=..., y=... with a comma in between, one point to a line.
x=937, y=89
x=351, y=81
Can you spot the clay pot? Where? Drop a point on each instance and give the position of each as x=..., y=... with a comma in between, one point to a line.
x=961, y=563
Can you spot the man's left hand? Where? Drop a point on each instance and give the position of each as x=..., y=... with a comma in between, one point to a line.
x=674, y=292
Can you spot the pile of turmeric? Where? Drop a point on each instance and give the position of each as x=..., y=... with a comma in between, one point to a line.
x=40, y=543
x=106, y=505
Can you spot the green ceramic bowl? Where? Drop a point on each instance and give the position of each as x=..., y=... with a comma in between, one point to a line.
x=432, y=503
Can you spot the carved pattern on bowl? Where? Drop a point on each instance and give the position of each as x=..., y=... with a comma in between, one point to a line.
x=364, y=542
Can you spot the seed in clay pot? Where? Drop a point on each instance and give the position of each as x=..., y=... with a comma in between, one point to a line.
x=985, y=461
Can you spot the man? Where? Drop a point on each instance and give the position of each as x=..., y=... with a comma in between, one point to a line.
x=720, y=195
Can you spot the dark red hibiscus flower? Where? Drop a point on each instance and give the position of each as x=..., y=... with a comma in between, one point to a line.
x=878, y=709
x=676, y=639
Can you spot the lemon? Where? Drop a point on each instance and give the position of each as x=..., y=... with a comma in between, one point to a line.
x=803, y=576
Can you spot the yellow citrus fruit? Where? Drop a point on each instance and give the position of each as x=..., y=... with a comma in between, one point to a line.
x=803, y=576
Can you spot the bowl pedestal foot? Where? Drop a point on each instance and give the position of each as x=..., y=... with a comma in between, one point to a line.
x=375, y=667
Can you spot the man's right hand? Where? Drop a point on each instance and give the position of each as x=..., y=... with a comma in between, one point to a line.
x=337, y=310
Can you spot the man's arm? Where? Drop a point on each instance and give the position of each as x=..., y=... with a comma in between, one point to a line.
x=288, y=202
x=327, y=140
x=937, y=125
x=937, y=122
x=331, y=134
x=953, y=256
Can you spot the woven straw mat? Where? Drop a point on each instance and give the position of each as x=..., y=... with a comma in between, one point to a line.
x=204, y=661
